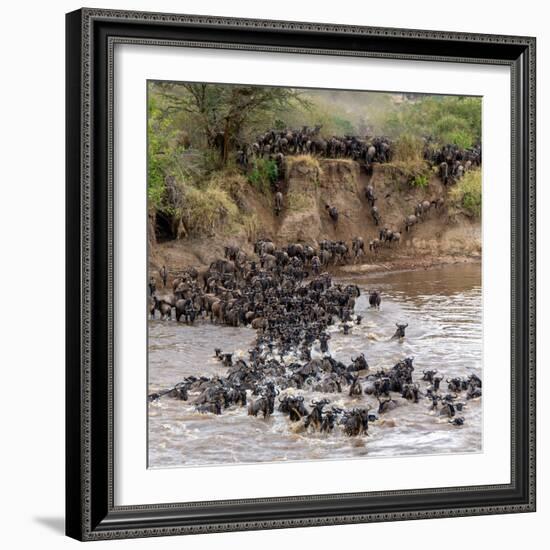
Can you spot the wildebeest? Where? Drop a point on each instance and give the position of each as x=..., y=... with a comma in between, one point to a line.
x=358, y=247
x=369, y=194
x=356, y=422
x=428, y=375
x=375, y=215
x=213, y=407
x=410, y=221
x=400, y=331
x=278, y=202
x=374, y=245
x=447, y=409
x=329, y=419
x=444, y=172
x=355, y=389
x=189, y=308
x=425, y=206
x=438, y=203
x=164, y=306
x=395, y=237
x=260, y=405
x=436, y=381
x=359, y=363
x=315, y=417
x=455, y=384
x=163, y=272
x=410, y=392
x=333, y=213
x=293, y=406
x=386, y=405
x=375, y=299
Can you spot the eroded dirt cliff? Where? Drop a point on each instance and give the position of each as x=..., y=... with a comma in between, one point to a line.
x=308, y=185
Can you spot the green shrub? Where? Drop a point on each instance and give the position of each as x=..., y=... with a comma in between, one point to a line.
x=264, y=173
x=446, y=119
x=467, y=193
x=156, y=193
x=412, y=172
x=420, y=180
x=461, y=138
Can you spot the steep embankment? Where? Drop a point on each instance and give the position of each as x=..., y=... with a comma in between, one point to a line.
x=308, y=186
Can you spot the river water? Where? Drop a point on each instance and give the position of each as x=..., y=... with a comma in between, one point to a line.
x=442, y=307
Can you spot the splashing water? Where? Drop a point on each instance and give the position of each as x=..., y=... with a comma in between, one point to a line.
x=443, y=310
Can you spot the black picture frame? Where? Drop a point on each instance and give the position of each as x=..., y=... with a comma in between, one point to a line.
x=90, y=510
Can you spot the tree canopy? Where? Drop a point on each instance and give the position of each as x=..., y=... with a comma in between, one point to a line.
x=194, y=129
x=224, y=115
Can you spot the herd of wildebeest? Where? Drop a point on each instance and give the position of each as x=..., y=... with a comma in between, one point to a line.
x=288, y=296
x=451, y=161
x=276, y=144
x=283, y=294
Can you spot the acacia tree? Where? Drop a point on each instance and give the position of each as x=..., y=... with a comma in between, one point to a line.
x=224, y=112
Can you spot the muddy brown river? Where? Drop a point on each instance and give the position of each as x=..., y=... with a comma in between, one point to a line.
x=443, y=309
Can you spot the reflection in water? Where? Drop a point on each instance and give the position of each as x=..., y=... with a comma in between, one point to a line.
x=443, y=310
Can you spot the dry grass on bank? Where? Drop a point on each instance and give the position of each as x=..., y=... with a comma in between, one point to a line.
x=466, y=193
x=206, y=211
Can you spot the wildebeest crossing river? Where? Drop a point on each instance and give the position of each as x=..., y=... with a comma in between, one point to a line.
x=443, y=310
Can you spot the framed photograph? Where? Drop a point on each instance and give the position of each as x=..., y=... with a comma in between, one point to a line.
x=300, y=274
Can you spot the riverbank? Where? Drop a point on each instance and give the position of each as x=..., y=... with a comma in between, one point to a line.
x=406, y=264
x=445, y=235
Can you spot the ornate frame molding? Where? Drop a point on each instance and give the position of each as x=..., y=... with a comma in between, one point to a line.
x=91, y=37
